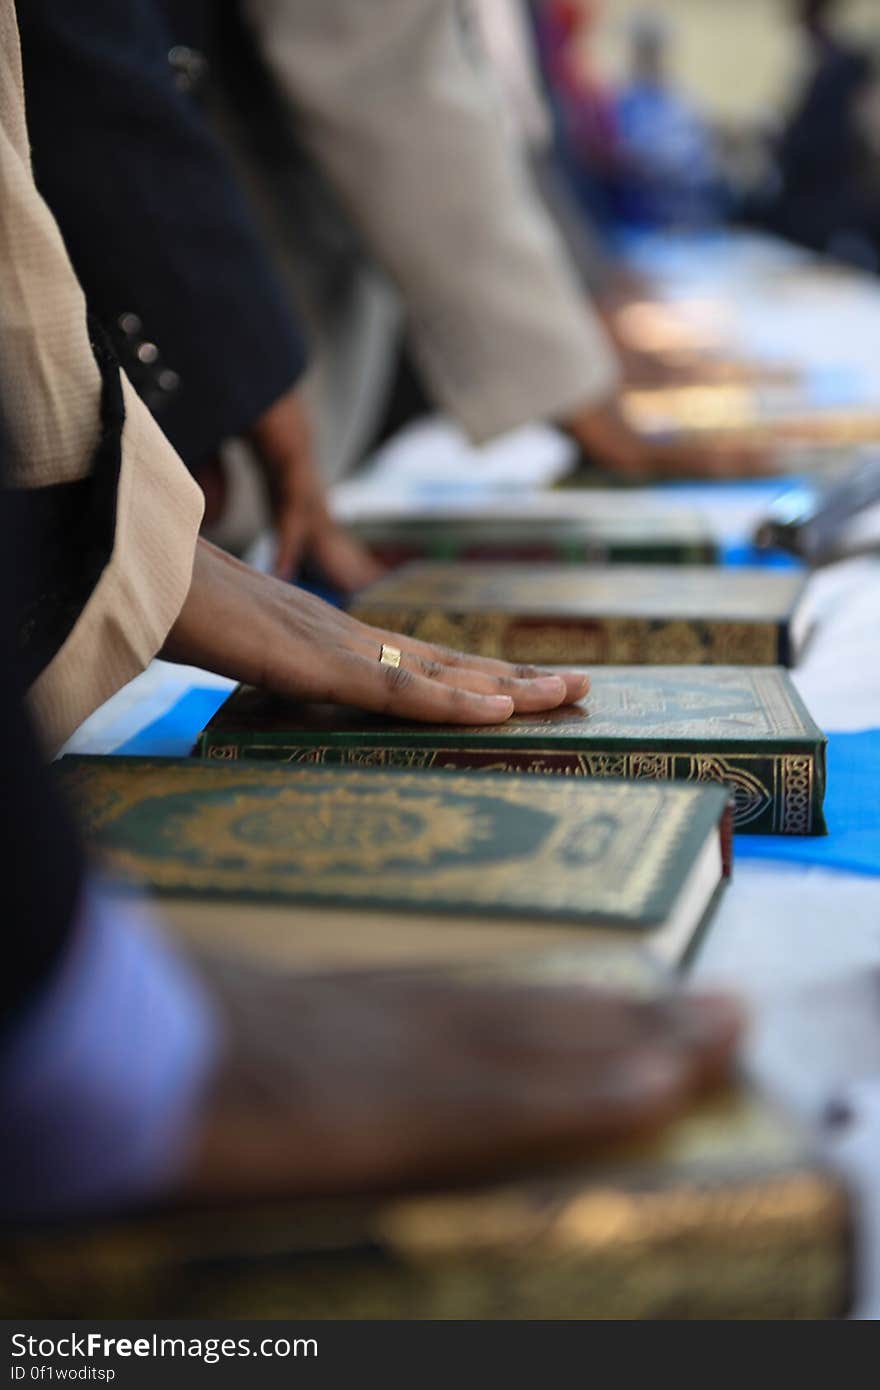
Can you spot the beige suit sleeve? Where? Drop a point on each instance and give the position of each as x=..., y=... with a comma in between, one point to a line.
x=408, y=129
x=51, y=391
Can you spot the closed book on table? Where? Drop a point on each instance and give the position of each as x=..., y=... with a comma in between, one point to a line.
x=745, y=727
x=643, y=615
x=650, y=537
x=726, y=1214
x=355, y=867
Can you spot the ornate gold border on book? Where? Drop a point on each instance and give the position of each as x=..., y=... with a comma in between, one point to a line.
x=798, y=774
x=791, y=794
x=412, y=820
x=567, y=640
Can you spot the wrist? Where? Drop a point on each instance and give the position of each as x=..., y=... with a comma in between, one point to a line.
x=224, y=623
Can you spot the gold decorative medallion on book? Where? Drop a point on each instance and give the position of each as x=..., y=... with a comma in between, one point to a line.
x=350, y=865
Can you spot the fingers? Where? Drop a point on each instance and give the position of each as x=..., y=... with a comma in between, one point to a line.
x=718, y=460
x=710, y=1026
x=528, y=694
x=404, y=694
x=532, y=693
x=353, y=1084
x=504, y=1118
x=518, y=680
x=343, y=560
x=323, y=654
x=626, y=1071
x=627, y=1068
x=369, y=685
x=582, y=1023
x=291, y=538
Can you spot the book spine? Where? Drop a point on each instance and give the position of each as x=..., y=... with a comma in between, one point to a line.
x=566, y=640
x=773, y=793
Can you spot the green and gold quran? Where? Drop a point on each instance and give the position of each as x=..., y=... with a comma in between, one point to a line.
x=652, y=537
x=619, y=615
x=744, y=727
x=727, y=1214
x=351, y=866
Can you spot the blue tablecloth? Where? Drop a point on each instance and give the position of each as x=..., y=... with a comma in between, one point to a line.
x=852, y=807
x=173, y=734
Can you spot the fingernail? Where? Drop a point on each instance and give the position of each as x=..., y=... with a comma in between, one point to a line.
x=580, y=678
x=499, y=704
x=643, y=1077
x=705, y=1016
x=549, y=685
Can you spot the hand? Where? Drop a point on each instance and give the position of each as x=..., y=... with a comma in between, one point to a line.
x=642, y=367
x=343, y=1085
x=305, y=528
x=604, y=435
x=253, y=628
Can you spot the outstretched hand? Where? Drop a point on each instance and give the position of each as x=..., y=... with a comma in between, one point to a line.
x=304, y=528
x=607, y=438
x=240, y=623
x=334, y=1086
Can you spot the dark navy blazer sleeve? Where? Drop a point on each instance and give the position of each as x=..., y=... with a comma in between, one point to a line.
x=41, y=867
x=159, y=232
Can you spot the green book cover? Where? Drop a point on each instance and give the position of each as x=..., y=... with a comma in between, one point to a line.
x=502, y=860
x=655, y=615
x=744, y=727
x=649, y=537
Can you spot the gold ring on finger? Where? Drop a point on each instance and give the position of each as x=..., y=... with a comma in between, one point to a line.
x=389, y=656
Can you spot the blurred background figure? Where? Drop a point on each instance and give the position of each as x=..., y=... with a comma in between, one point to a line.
x=665, y=172
x=430, y=171
x=581, y=101
x=639, y=154
x=823, y=187
x=505, y=37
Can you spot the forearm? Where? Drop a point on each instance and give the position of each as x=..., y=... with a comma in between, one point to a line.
x=407, y=129
x=223, y=625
